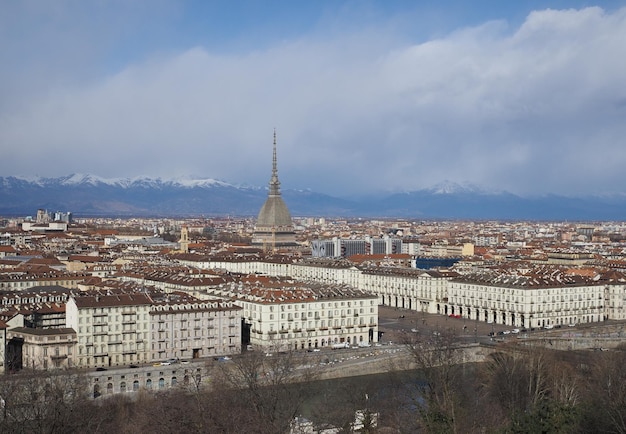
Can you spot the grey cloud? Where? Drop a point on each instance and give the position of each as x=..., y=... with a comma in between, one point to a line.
x=528, y=110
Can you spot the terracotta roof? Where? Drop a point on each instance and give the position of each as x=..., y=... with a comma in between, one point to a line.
x=112, y=300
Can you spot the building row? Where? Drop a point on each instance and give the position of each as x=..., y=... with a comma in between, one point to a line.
x=521, y=295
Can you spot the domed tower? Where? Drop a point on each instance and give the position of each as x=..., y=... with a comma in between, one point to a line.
x=274, y=228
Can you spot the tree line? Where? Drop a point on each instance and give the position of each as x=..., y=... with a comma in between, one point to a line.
x=513, y=391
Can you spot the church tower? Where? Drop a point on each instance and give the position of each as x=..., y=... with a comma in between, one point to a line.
x=274, y=227
x=184, y=239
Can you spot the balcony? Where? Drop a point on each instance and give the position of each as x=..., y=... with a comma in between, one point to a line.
x=59, y=357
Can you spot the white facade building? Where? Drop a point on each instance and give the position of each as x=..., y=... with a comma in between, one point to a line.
x=112, y=330
x=189, y=329
x=527, y=301
x=287, y=314
x=408, y=288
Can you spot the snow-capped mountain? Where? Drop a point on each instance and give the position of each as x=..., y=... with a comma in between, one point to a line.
x=450, y=187
x=90, y=195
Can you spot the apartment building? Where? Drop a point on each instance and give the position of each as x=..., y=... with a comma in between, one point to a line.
x=287, y=314
x=408, y=288
x=183, y=327
x=36, y=348
x=527, y=300
x=112, y=330
x=22, y=278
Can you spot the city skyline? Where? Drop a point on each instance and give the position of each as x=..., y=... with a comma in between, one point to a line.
x=365, y=96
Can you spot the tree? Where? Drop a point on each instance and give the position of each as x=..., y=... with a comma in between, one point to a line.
x=437, y=400
x=42, y=402
x=274, y=388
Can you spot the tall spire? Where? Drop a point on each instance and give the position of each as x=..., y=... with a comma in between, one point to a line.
x=274, y=182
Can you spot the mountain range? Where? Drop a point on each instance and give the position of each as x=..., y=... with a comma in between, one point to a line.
x=89, y=195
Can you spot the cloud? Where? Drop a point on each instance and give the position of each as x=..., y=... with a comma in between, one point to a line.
x=533, y=109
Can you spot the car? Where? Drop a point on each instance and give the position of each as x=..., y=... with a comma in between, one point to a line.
x=165, y=363
x=172, y=361
x=156, y=364
x=224, y=359
x=101, y=368
x=572, y=324
x=515, y=331
x=184, y=362
x=548, y=327
x=133, y=366
x=506, y=332
x=414, y=330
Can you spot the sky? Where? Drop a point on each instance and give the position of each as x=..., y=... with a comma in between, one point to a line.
x=365, y=96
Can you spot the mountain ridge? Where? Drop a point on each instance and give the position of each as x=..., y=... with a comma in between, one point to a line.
x=86, y=194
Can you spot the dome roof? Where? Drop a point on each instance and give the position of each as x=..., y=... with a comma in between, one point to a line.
x=274, y=214
x=274, y=225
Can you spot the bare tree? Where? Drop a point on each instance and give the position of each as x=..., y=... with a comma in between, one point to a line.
x=606, y=393
x=42, y=402
x=274, y=388
x=438, y=359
